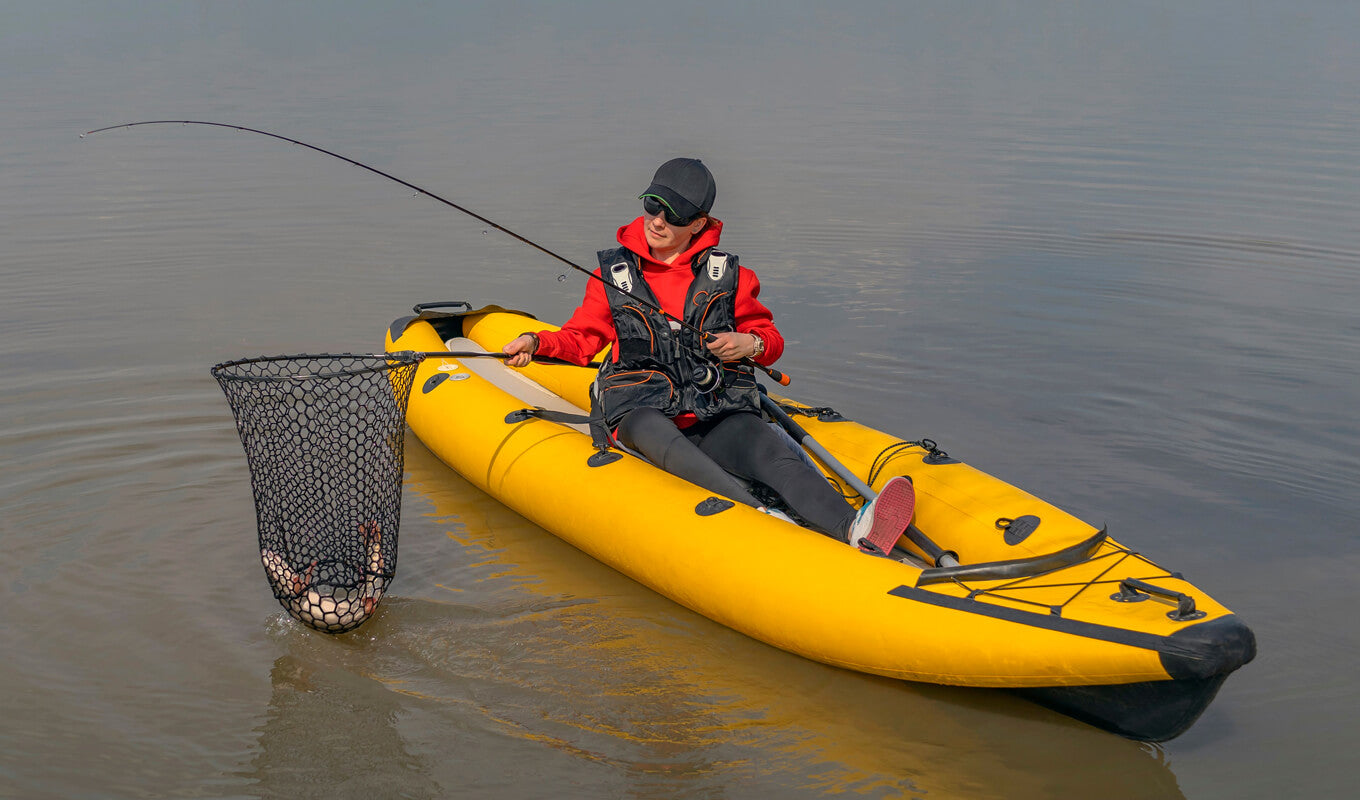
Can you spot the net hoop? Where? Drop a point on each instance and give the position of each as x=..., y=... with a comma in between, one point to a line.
x=324, y=440
x=232, y=370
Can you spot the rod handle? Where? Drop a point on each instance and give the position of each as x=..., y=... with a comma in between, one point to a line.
x=775, y=375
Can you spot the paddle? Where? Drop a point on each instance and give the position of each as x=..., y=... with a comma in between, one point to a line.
x=939, y=557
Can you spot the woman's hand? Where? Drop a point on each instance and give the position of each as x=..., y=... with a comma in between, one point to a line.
x=733, y=346
x=521, y=350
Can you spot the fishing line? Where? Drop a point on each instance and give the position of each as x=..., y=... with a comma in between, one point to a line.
x=776, y=375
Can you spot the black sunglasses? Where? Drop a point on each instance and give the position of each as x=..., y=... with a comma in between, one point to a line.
x=654, y=206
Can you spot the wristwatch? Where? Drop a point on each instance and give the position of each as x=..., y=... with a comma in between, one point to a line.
x=760, y=346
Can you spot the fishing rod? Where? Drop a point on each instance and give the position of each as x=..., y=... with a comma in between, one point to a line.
x=775, y=375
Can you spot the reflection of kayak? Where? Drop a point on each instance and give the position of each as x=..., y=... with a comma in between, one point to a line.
x=1043, y=603
x=578, y=647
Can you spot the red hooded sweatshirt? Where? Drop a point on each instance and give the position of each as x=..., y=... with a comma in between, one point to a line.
x=591, y=327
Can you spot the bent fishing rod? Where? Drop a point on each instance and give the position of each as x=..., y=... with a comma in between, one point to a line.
x=775, y=375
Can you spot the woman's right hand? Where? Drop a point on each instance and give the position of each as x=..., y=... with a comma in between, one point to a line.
x=521, y=350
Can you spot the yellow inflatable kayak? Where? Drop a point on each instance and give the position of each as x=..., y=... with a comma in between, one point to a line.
x=1040, y=602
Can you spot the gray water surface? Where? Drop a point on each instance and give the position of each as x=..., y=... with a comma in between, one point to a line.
x=1106, y=252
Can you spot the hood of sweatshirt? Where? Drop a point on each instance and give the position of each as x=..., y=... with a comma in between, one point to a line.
x=632, y=237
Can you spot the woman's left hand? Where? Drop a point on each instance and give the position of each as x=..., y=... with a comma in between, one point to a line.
x=732, y=346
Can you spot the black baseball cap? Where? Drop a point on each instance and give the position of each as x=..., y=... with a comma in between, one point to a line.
x=685, y=185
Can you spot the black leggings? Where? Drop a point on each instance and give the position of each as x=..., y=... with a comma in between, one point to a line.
x=742, y=444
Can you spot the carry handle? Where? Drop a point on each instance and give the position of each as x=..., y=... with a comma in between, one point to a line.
x=420, y=307
x=1129, y=592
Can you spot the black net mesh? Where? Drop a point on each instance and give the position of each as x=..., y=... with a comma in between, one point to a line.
x=324, y=439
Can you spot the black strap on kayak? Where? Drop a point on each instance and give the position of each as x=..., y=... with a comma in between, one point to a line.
x=599, y=433
x=538, y=412
x=822, y=413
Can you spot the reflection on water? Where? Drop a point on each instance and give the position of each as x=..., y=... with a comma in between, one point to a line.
x=326, y=727
x=613, y=673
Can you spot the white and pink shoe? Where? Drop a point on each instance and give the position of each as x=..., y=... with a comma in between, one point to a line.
x=883, y=520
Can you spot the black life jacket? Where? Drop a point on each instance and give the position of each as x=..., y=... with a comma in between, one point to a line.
x=659, y=362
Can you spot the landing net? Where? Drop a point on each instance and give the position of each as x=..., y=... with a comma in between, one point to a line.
x=323, y=436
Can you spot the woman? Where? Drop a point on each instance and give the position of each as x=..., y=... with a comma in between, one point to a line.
x=662, y=391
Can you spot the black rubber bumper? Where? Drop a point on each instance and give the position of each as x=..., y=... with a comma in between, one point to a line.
x=1199, y=659
x=1216, y=647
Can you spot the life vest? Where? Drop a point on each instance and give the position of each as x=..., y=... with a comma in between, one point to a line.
x=662, y=364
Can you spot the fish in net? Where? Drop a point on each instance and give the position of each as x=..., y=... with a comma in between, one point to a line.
x=324, y=437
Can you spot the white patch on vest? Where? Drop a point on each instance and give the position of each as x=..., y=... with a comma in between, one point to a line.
x=717, y=265
x=619, y=274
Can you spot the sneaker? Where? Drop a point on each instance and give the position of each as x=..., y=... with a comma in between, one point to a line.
x=880, y=523
x=776, y=513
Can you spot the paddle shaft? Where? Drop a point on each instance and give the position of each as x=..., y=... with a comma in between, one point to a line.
x=775, y=375
x=938, y=556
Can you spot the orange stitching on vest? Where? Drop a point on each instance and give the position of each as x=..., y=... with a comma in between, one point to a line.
x=650, y=332
x=715, y=298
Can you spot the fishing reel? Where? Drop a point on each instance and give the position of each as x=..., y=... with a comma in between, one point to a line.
x=707, y=377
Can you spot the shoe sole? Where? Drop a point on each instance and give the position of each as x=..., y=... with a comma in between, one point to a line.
x=892, y=514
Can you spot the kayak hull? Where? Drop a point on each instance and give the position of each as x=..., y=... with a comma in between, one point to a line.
x=1008, y=618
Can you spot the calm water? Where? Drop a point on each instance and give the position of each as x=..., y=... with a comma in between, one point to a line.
x=1109, y=254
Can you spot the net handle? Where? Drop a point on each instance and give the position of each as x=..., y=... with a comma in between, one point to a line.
x=400, y=357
